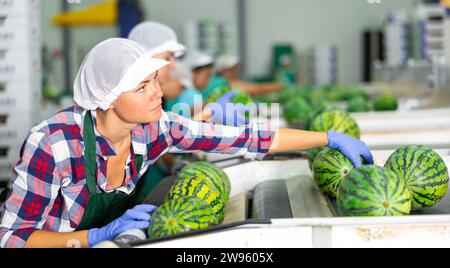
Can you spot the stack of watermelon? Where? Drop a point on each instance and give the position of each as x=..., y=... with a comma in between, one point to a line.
x=414, y=177
x=196, y=201
x=363, y=191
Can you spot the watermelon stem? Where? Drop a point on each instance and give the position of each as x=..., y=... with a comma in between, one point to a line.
x=346, y=171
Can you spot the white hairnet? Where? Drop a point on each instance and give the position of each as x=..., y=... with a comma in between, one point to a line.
x=196, y=59
x=183, y=74
x=112, y=67
x=225, y=62
x=157, y=38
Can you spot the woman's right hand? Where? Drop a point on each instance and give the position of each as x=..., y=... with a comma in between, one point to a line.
x=136, y=218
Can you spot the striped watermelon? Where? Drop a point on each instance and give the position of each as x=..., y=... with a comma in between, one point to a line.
x=373, y=191
x=199, y=187
x=210, y=172
x=338, y=121
x=329, y=169
x=424, y=171
x=181, y=215
x=312, y=154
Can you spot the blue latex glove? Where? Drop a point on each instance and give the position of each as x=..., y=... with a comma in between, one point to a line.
x=135, y=218
x=225, y=112
x=351, y=147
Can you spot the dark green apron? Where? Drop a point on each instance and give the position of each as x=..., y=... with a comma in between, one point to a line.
x=103, y=208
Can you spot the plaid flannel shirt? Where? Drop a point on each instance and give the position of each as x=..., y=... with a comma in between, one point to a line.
x=49, y=190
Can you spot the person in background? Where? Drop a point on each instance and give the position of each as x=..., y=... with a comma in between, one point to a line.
x=190, y=95
x=228, y=71
x=162, y=43
x=286, y=73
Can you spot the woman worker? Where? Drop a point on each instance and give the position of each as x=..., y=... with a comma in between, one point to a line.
x=78, y=178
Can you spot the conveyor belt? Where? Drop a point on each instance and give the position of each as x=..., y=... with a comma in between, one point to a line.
x=298, y=197
x=271, y=201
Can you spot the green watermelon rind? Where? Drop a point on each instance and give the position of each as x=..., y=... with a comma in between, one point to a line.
x=385, y=102
x=424, y=172
x=338, y=121
x=330, y=168
x=213, y=173
x=312, y=154
x=202, y=188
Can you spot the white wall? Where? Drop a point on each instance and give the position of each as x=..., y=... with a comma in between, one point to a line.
x=176, y=13
x=82, y=38
x=305, y=23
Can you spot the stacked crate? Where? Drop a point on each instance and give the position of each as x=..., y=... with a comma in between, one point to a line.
x=208, y=35
x=397, y=34
x=20, y=77
x=323, y=65
x=429, y=38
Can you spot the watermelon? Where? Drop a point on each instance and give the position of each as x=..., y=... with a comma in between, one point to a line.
x=329, y=168
x=202, y=188
x=385, y=102
x=373, y=191
x=358, y=104
x=241, y=97
x=297, y=108
x=181, y=215
x=338, y=121
x=316, y=111
x=209, y=172
x=424, y=172
x=312, y=154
